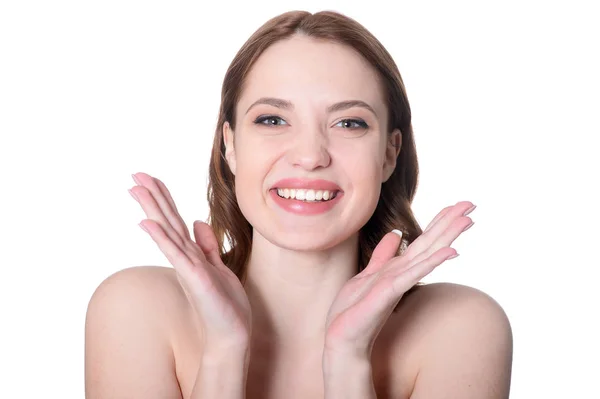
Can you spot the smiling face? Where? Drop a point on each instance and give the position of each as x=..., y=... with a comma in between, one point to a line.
x=310, y=110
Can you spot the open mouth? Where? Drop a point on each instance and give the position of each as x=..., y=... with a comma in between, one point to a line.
x=306, y=195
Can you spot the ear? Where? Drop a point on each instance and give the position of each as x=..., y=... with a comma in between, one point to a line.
x=228, y=137
x=392, y=150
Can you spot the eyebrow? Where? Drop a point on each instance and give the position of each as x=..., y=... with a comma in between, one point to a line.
x=339, y=106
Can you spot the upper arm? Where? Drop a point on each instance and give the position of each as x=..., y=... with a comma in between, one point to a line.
x=469, y=351
x=127, y=351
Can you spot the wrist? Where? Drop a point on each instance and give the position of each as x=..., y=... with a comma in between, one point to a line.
x=339, y=363
x=219, y=358
x=351, y=352
x=221, y=374
x=348, y=377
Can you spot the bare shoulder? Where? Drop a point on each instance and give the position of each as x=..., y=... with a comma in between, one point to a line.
x=441, y=300
x=128, y=352
x=462, y=340
x=139, y=276
x=149, y=292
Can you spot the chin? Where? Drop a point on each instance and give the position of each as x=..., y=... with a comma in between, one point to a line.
x=304, y=243
x=317, y=238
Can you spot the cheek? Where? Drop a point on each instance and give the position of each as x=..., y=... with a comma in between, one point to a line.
x=248, y=173
x=248, y=188
x=366, y=180
x=365, y=174
x=365, y=165
x=253, y=162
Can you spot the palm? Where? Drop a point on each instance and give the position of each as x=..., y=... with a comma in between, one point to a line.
x=366, y=301
x=224, y=301
x=212, y=289
x=362, y=295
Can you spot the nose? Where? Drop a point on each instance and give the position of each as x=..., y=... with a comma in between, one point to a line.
x=309, y=150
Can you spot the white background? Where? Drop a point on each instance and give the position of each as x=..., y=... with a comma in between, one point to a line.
x=505, y=113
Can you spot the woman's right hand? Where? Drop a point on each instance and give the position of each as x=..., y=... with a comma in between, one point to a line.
x=214, y=291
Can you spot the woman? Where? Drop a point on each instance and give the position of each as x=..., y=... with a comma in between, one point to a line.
x=312, y=175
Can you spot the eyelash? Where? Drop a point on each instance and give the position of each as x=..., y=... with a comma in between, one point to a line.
x=362, y=124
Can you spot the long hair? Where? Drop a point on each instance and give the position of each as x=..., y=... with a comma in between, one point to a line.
x=393, y=210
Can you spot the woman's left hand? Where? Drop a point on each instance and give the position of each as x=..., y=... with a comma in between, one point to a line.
x=366, y=301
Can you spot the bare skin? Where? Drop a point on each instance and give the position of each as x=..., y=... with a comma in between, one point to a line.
x=166, y=361
x=295, y=329
x=145, y=338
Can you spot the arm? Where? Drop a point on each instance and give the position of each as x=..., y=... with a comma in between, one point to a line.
x=127, y=343
x=222, y=375
x=348, y=377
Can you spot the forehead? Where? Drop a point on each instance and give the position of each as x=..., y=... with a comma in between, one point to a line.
x=308, y=71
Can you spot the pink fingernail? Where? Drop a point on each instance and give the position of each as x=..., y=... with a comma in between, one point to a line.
x=471, y=209
x=136, y=180
x=133, y=195
x=452, y=256
x=143, y=228
x=468, y=227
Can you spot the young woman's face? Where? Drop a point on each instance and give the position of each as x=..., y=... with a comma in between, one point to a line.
x=313, y=112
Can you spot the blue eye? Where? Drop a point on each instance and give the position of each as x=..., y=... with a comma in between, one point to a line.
x=352, y=124
x=272, y=120
x=269, y=119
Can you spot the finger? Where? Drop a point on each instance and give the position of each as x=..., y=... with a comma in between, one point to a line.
x=206, y=240
x=444, y=211
x=164, y=200
x=181, y=261
x=453, y=217
x=437, y=218
x=383, y=297
x=384, y=251
x=446, y=238
x=407, y=278
x=167, y=195
x=153, y=212
x=164, y=209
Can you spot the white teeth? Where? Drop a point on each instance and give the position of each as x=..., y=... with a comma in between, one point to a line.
x=306, y=195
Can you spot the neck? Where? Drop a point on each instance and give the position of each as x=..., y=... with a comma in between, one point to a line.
x=290, y=292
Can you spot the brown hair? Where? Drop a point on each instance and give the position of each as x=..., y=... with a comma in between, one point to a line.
x=393, y=210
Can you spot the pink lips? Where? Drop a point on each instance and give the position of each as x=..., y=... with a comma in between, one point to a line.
x=302, y=207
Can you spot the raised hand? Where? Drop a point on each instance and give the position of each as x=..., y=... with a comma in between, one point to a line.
x=212, y=288
x=366, y=301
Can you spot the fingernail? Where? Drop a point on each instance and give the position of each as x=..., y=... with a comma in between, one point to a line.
x=468, y=227
x=452, y=256
x=396, y=231
x=136, y=180
x=143, y=228
x=471, y=209
x=133, y=195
